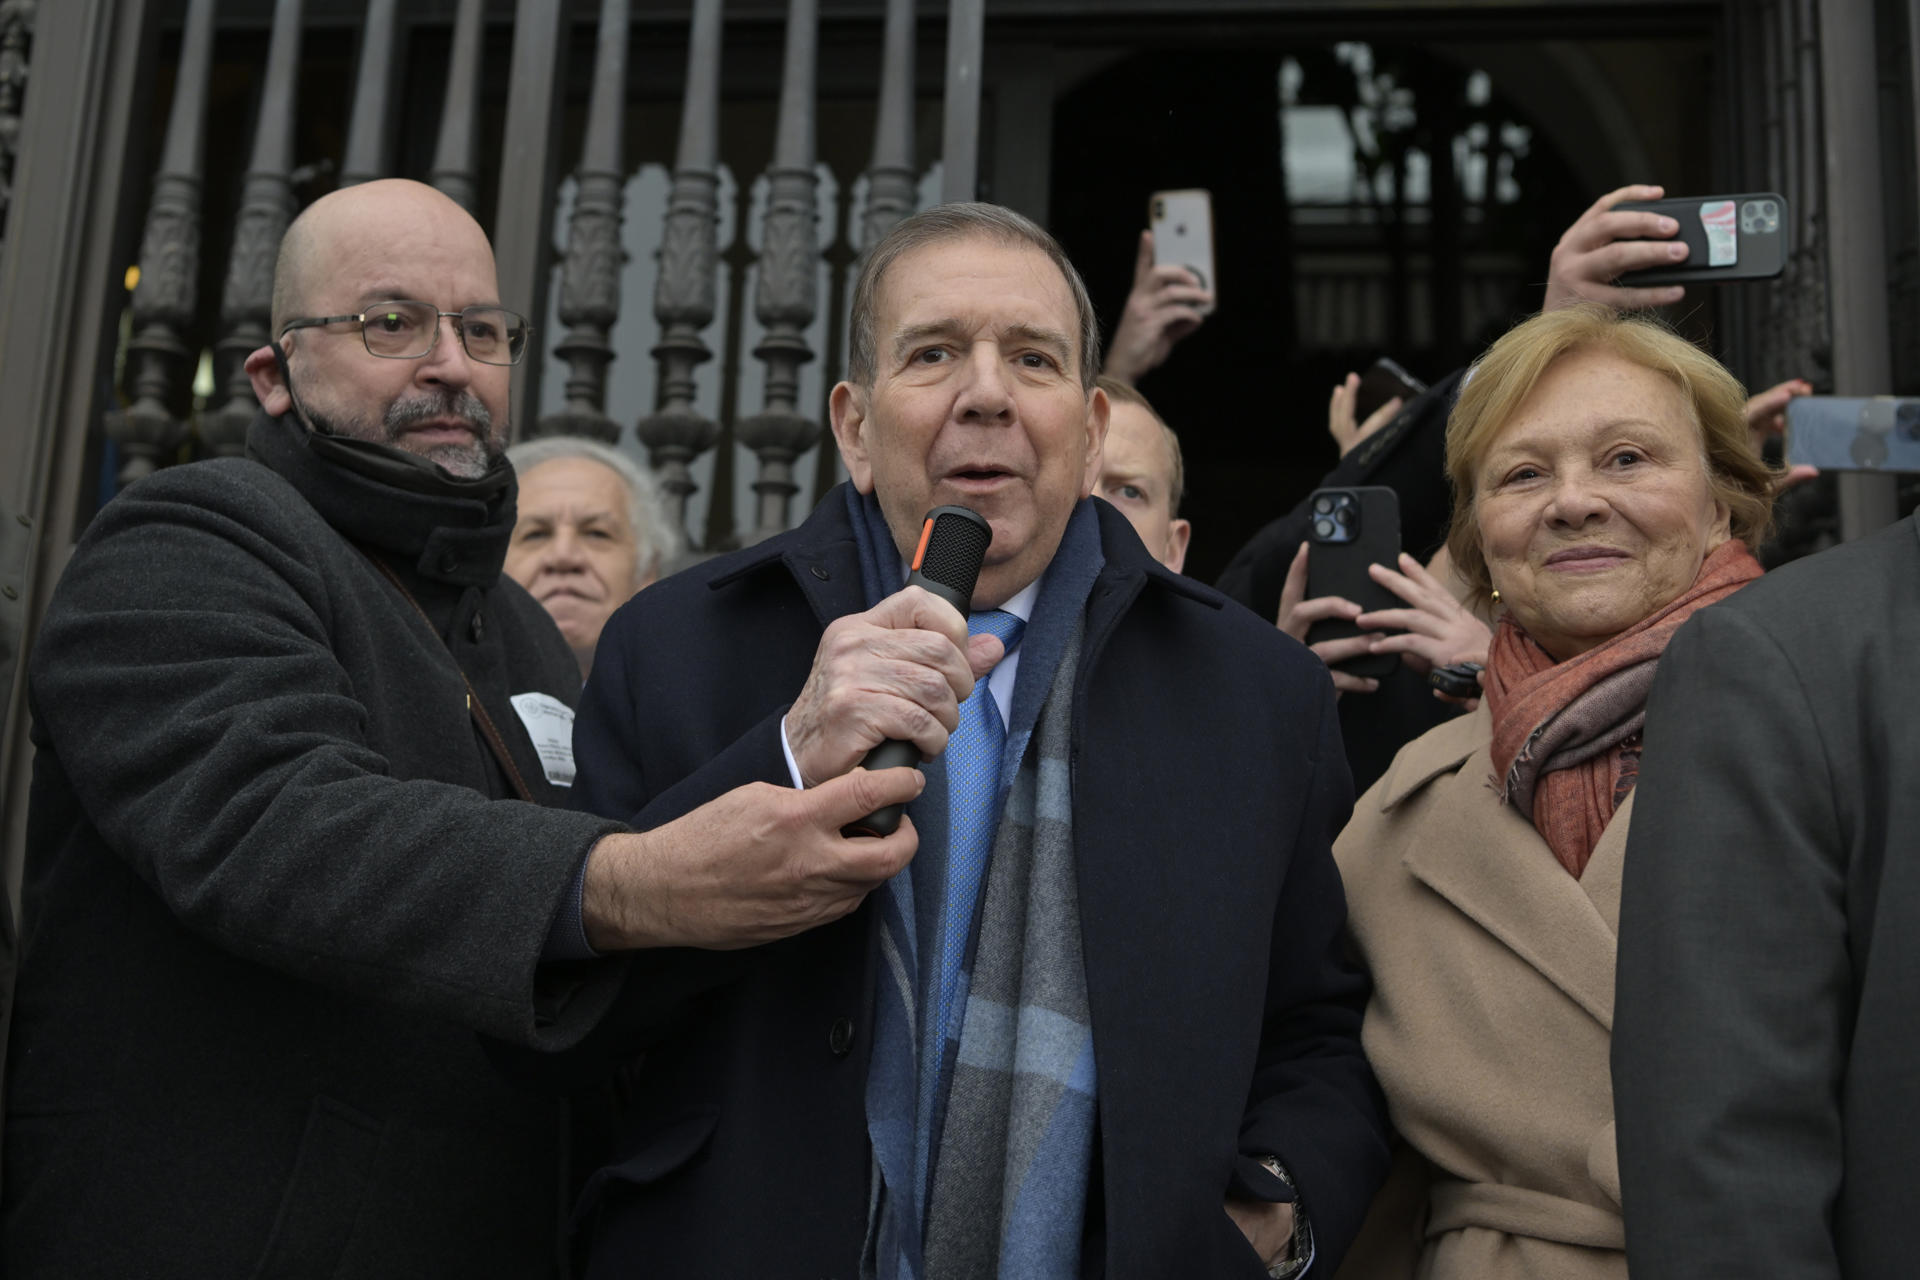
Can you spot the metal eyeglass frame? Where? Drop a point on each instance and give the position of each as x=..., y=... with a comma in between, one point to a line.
x=459, y=327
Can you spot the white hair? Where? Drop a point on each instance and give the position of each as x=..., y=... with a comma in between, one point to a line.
x=656, y=541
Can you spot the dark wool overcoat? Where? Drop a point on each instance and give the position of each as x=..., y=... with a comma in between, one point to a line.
x=274, y=886
x=1208, y=785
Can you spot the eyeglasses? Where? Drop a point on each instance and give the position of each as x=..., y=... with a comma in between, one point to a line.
x=408, y=330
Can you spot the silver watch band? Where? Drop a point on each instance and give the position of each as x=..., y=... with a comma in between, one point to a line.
x=1302, y=1250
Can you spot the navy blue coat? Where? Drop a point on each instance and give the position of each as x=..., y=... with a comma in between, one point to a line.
x=1208, y=786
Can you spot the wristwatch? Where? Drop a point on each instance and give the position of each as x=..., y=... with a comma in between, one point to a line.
x=1302, y=1250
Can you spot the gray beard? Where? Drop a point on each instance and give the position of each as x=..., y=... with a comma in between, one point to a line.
x=467, y=461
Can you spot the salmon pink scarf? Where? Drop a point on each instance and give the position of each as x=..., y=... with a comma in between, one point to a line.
x=1565, y=734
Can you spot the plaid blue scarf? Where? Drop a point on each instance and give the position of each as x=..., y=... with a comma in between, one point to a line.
x=995, y=1180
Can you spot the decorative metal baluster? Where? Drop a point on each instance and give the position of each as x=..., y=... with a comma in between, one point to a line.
x=737, y=258
x=590, y=280
x=890, y=178
x=266, y=206
x=453, y=154
x=16, y=43
x=960, y=140
x=891, y=186
x=684, y=298
x=842, y=261
x=787, y=295
x=367, y=130
x=163, y=301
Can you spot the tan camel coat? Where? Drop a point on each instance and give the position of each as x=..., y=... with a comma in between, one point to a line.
x=1489, y=1025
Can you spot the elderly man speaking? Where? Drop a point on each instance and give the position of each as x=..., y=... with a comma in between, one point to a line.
x=1102, y=1024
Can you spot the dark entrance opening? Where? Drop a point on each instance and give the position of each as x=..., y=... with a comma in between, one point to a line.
x=1369, y=199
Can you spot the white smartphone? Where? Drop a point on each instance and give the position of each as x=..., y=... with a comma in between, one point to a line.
x=1182, y=226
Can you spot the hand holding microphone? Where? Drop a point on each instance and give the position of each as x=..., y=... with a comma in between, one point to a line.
x=899, y=671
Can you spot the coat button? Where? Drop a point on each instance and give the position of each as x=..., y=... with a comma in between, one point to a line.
x=449, y=562
x=840, y=1038
x=820, y=571
x=476, y=628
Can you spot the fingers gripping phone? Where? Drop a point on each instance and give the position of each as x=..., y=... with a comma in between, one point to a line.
x=1182, y=226
x=1835, y=433
x=1382, y=381
x=1741, y=237
x=1347, y=530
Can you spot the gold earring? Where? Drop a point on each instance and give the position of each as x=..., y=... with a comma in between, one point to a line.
x=1496, y=595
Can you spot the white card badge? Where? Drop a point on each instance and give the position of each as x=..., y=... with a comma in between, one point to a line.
x=1723, y=240
x=549, y=723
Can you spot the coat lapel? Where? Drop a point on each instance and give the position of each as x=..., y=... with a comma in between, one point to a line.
x=1601, y=880
x=1491, y=864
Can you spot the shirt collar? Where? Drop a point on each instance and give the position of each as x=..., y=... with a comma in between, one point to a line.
x=1020, y=605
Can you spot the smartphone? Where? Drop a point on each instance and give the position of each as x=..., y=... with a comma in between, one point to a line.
x=1741, y=237
x=1881, y=433
x=1182, y=226
x=1347, y=530
x=1382, y=381
x=1457, y=680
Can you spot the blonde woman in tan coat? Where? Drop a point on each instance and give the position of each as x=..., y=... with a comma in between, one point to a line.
x=1606, y=487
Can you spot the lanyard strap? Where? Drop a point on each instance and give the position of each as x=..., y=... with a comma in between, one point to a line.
x=481, y=719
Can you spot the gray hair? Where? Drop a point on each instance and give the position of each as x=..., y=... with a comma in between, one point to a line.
x=961, y=221
x=657, y=541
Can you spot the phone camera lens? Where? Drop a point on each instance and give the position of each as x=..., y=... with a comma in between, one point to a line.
x=1323, y=505
x=1768, y=209
x=1906, y=421
x=1323, y=528
x=1344, y=515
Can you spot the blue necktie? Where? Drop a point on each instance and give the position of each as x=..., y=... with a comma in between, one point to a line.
x=973, y=786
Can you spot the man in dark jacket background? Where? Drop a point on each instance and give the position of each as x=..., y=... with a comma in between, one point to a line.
x=1103, y=1025
x=281, y=866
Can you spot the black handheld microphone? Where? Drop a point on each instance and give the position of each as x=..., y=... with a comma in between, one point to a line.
x=953, y=545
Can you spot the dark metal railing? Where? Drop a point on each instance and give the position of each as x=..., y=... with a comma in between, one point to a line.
x=785, y=299
x=684, y=298
x=590, y=280
x=165, y=299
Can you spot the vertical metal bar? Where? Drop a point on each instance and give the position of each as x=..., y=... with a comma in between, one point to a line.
x=1856, y=240
x=523, y=218
x=890, y=178
x=266, y=206
x=1913, y=74
x=684, y=298
x=960, y=144
x=453, y=154
x=842, y=260
x=367, y=128
x=163, y=302
x=590, y=280
x=16, y=44
x=92, y=61
x=1779, y=339
x=788, y=293
x=736, y=258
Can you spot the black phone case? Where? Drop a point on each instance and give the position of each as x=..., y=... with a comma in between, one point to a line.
x=1340, y=569
x=1762, y=254
x=1382, y=381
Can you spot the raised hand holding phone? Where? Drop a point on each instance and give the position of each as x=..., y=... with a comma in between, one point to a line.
x=1167, y=302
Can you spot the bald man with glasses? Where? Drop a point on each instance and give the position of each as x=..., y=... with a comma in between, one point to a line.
x=294, y=834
